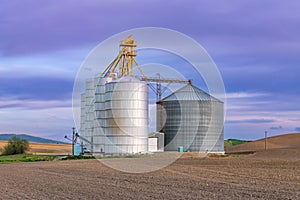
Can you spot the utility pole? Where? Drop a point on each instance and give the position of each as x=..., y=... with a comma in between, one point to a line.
x=266, y=140
x=73, y=135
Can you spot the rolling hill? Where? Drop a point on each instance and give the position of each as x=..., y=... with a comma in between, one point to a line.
x=233, y=142
x=286, y=141
x=30, y=138
x=43, y=148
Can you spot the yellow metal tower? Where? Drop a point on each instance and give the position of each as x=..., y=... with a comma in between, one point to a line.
x=125, y=60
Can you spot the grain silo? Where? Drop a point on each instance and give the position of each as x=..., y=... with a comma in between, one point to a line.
x=99, y=101
x=99, y=113
x=192, y=119
x=114, y=112
x=89, y=113
x=126, y=116
x=82, y=114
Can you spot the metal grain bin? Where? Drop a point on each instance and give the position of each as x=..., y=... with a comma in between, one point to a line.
x=82, y=114
x=192, y=119
x=126, y=125
x=100, y=99
x=99, y=114
x=89, y=113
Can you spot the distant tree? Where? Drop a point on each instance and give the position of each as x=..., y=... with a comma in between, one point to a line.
x=15, y=145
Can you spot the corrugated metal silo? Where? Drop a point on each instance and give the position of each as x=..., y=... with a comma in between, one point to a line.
x=89, y=113
x=193, y=120
x=100, y=99
x=99, y=114
x=82, y=114
x=126, y=125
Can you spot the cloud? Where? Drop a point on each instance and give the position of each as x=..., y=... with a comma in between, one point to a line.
x=276, y=128
x=63, y=64
x=238, y=95
x=37, y=88
x=251, y=121
x=297, y=129
x=34, y=104
x=39, y=122
x=55, y=24
x=256, y=53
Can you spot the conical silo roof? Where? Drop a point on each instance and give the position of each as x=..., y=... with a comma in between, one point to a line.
x=190, y=93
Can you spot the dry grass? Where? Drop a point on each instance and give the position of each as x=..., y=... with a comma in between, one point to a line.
x=39, y=148
x=288, y=141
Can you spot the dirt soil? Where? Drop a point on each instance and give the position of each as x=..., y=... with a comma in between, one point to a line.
x=240, y=177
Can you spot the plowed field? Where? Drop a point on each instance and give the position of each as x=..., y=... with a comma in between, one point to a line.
x=244, y=177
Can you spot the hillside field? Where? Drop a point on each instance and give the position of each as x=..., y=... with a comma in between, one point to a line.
x=40, y=148
x=264, y=174
x=188, y=178
x=286, y=141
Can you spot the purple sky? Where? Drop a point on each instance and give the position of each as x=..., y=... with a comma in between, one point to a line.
x=255, y=44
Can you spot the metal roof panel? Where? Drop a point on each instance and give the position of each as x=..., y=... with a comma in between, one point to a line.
x=190, y=93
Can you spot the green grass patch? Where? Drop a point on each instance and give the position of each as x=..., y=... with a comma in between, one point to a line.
x=233, y=142
x=70, y=157
x=24, y=158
